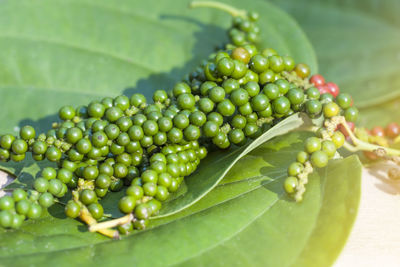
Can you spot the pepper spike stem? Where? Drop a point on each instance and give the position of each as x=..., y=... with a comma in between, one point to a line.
x=86, y=217
x=95, y=227
x=221, y=6
x=360, y=145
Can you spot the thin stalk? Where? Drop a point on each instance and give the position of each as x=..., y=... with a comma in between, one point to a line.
x=221, y=6
x=111, y=223
x=360, y=145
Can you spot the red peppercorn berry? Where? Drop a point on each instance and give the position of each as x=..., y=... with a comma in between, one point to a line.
x=323, y=89
x=333, y=88
x=317, y=79
x=378, y=131
x=392, y=130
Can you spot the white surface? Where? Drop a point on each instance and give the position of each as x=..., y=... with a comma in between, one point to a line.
x=375, y=238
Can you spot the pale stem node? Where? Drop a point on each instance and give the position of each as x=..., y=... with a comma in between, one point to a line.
x=111, y=223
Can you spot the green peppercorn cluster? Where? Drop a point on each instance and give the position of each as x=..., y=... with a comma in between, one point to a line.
x=149, y=147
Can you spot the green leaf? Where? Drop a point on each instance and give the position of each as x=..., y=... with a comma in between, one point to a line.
x=356, y=44
x=81, y=61
x=246, y=220
x=72, y=52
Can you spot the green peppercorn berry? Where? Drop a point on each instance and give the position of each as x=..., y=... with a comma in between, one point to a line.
x=107, y=102
x=120, y=170
x=19, y=157
x=46, y=200
x=55, y=186
x=259, y=102
x=96, y=210
x=302, y=70
x=186, y=101
x=338, y=139
x=142, y=211
x=164, y=124
x=87, y=196
x=351, y=114
x=6, y=218
x=344, y=100
x=39, y=147
x=295, y=169
x=236, y=136
x=290, y=184
x=288, y=63
x=6, y=203
x=22, y=206
x=319, y=159
x=96, y=110
x=73, y=135
x=6, y=141
x=267, y=76
x=27, y=132
x=113, y=114
x=66, y=113
x=230, y=85
x=34, y=212
x=271, y=90
x=116, y=185
x=226, y=108
x=283, y=86
x=217, y=94
x=210, y=129
x=295, y=96
x=197, y=118
x=83, y=146
x=252, y=88
x=238, y=121
x=313, y=107
x=49, y=173
x=313, y=93
x=181, y=121
x=135, y=191
x=302, y=157
x=225, y=66
x=259, y=63
x=331, y=109
x=19, y=194
x=150, y=128
x=276, y=63
x=72, y=209
x=138, y=100
x=19, y=146
x=123, y=123
x=206, y=105
x=53, y=154
x=192, y=133
x=181, y=88
x=41, y=185
x=312, y=144
x=326, y=98
x=121, y=102
x=162, y=193
x=281, y=105
x=127, y=204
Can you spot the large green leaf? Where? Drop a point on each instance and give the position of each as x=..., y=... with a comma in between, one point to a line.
x=356, y=43
x=247, y=219
x=76, y=58
x=59, y=52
